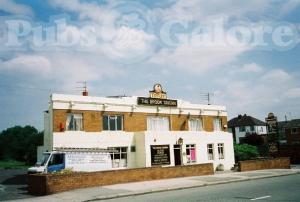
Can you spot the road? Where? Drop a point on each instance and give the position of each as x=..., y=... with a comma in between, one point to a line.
x=285, y=188
x=13, y=184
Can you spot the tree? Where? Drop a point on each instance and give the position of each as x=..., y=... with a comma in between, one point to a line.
x=244, y=152
x=20, y=143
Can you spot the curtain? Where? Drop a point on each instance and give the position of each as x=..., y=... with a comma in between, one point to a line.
x=193, y=154
x=158, y=124
x=195, y=125
x=74, y=122
x=217, y=124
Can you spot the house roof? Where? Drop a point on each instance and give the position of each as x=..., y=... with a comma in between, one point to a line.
x=245, y=120
x=282, y=124
x=295, y=123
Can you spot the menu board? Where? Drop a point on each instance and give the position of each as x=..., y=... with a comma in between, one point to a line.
x=160, y=155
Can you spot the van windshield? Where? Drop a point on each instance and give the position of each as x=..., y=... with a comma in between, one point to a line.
x=45, y=159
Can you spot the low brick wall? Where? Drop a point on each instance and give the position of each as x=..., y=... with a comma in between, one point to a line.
x=277, y=163
x=44, y=184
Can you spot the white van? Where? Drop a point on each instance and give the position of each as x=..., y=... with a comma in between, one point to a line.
x=86, y=161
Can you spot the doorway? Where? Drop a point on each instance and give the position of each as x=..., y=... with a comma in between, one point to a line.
x=177, y=155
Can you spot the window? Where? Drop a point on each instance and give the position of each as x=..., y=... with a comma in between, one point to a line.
x=242, y=129
x=221, y=150
x=74, y=122
x=158, y=123
x=114, y=122
x=261, y=129
x=191, y=153
x=56, y=159
x=195, y=125
x=294, y=131
x=210, y=151
x=217, y=124
x=252, y=128
x=118, y=156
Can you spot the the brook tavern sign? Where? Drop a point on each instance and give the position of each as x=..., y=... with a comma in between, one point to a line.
x=157, y=97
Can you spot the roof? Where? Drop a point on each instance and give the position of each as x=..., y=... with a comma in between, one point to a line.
x=244, y=120
x=282, y=124
x=295, y=123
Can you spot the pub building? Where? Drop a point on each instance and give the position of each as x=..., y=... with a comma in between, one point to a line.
x=140, y=131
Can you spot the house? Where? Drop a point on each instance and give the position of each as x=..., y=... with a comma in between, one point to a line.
x=242, y=125
x=140, y=131
x=292, y=131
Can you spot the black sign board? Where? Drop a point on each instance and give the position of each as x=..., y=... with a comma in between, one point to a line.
x=160, y=155
x=156, y=101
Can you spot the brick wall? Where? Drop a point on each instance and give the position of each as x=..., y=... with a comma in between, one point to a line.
x=292, y=138
x=44, y=184
x=133, y=122
x=278, y=163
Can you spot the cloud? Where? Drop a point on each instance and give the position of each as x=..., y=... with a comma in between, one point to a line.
x=276, y=76
x=199, y=10
x=29, y=64
x=244, y=93
x=292, y=93
x=252, y=68
x=199, y=55
x=9, y=6
x=65, y=68
x=86, y=10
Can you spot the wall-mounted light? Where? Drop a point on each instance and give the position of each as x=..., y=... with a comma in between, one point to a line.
x=180, y=141
x=158, y=109
x=104, y=106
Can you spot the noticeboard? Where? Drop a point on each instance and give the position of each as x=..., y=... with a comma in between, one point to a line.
x=160, y=155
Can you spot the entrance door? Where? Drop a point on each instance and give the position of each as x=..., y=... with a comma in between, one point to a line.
x=177, y=155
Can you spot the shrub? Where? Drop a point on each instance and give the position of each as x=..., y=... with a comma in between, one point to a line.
x=244, y=152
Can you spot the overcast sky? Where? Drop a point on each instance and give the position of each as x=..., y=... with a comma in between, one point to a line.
x=246, y=53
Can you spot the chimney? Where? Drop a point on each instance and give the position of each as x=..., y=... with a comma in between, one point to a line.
x=85, y=93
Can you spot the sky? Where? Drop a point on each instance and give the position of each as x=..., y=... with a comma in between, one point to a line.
x=246, y=54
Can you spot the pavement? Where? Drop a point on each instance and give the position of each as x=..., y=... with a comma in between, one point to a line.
x=146, y=187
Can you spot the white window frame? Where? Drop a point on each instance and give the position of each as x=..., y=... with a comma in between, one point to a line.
x=210, y=156
x=221, y=150
x=153, y=121
x=74, y=118
x=190, y=147
x=119, y=151
x=199, y=124
x=116, y=124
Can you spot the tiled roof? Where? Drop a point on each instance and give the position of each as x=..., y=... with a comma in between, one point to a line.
x=295, y=123
x=245, y=121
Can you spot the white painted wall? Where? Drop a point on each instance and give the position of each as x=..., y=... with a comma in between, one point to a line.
x=129, y=104
x=143, y=140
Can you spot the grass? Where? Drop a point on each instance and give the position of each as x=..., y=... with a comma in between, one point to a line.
x=11, y=164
